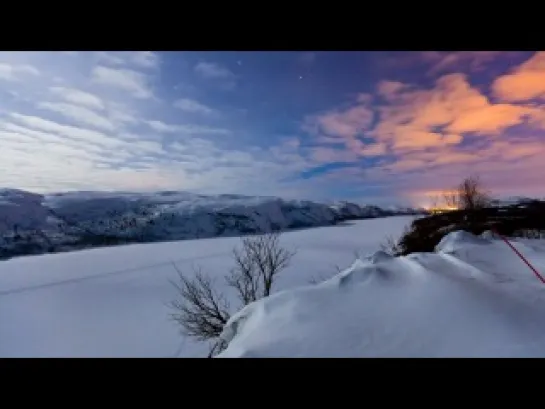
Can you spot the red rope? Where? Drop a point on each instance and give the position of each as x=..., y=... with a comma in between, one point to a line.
x=539, y=276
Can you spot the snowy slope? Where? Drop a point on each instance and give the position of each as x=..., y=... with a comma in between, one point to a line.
x=111, y=301
x=21, y=208
x=34, y=224
x=472, y=298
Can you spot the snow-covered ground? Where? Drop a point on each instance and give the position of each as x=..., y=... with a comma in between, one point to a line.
x=112, y=301
x=473, y=297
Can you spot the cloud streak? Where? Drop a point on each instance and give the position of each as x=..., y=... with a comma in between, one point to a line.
x=10, y=72
x=213, y=71
x=76, y=96
x=133, y=82
x=216, y=73
x=193, y=107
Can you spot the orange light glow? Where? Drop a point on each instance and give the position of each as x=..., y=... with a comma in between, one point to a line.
x=444, y=209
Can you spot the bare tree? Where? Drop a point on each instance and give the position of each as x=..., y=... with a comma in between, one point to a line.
x=202, y=311
x=470, y=194
x=257, y=264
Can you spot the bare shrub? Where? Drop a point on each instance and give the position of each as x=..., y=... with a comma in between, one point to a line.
x=257, y=264
x=318, y=278
x=202, y=311
x=392, y=246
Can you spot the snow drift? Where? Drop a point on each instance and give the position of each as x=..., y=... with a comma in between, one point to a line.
x=473, y=297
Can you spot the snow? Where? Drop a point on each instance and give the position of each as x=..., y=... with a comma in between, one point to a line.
x=111, y=301
x=473, y=297
x=35, y=224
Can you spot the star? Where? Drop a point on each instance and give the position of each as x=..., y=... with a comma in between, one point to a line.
x=300, y=77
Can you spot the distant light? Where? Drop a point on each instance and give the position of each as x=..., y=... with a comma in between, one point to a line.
x=300, y=77
x=443, y=209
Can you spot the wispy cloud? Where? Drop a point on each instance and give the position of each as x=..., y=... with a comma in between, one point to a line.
x=343, y=127
x=217, y=73
x=213, y=70
x=160, y=126
x=11, y=72
x=92, y=120
x=73, y=157
x=73, y=132
x=346, y=123
x=145, y=59
x=139, y=59
x=193, y=107
x=79, y=114
x=78, y=97
x=136, y=83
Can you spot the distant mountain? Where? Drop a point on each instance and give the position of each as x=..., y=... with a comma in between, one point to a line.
x=31, y=223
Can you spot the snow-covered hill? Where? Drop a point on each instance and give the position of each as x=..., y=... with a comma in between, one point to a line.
x=32, y=223
x=473, y=297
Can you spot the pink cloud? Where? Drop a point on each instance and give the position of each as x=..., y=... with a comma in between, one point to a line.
x=408, y=139
x=344, y=127
x=421, y=133
x=390, y=89
x=375, y=149
x=524, y=83
x=409, y=119
x=489, y=119
x=346, y=124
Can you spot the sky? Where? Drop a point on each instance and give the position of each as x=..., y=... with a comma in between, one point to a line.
x=374, y=127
